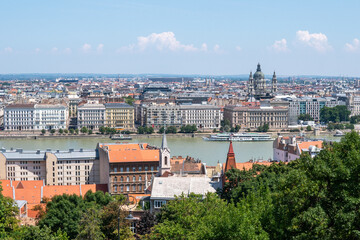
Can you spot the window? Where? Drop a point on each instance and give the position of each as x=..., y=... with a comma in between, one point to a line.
x=140, y=188
x=121, y=179
x=159, y=203
x=115, y=188
x=134, y=169
x=115, y=169
x=166, y=161
x=127, y=169
x=134, y=178
x=115, y=179
x=127, y=188
x=146, y=168
x=140, y=178
x=121, y=169
x=140, y=168
x=152, y=168
x=134, y=188
x=121, y=188
x=127, y=179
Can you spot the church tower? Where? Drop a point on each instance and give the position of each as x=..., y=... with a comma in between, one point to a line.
x=164, y=164
x=251, y=85
x=274, y=83
x=230, y=162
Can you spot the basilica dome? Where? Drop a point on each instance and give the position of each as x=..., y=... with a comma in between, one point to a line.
x=259, y=74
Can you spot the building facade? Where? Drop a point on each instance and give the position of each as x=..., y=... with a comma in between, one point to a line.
x=50, y=116
x=19, y=117
x=91, y=115
x=119, y=116
x=255, y=116
x=202, y=115
x=54, y=167
x=311, y=106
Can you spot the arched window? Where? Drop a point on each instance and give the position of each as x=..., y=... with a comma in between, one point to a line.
x=166, y=160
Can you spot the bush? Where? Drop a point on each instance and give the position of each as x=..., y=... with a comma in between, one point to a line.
x=308, y=128
x=90, y=132
x=52, y=131
x=43, y=131
x=72, y=131
x=84, y=130
x=61, y=131
x=66, y=131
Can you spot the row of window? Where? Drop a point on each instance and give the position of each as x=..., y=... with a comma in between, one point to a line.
x=115, y=169
x=134, y=188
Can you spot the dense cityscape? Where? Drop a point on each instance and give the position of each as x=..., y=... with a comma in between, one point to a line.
x=179, y=120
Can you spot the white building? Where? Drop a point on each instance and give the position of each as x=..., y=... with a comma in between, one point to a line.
x=91, y=115
x=312, y=106
x=19, y=117
x=50, y=116
x=202, y=115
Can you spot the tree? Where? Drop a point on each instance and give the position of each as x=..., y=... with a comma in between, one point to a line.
x=335, y=114
x=8, y=213
x=77, y=131
x=61, y=131
x=171, y=129
x=43, y=131
x=90, y=131
x=308, y=128
x=84, y=130
x=263, y=128
x=66, y=131
x=161, y=130
x=89, y=225
x=355, y=119
x=72, y=131
x=102, y=130
x=149, y=130
x=37, y=233
x=208, y=218
x=305, y=117
x=129, y=100
x=145, y=224
x=52, y=131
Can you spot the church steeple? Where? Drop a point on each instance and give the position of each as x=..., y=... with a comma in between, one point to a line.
x=274, y=83
x=230, y=160
x=258, y=69
x=164, y=161
x=164, y=141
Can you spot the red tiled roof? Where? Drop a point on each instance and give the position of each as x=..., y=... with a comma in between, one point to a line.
x=132, y=152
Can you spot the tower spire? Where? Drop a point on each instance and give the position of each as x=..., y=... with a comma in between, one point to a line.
x=164, y=141
x=230, y=160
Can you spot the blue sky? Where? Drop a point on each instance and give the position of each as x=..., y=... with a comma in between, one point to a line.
x=180, y=37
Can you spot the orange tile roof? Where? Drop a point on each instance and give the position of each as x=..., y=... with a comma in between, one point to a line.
x=306, y=145
x=7, y=189
x=51, y=191
x=249, y=165
x=132, y=152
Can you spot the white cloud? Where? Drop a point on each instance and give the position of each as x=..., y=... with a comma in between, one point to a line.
x=280, y=46
x=318, y=41
x=204, y=47
x=162, y=42
x=100, y=48
x=8, y=50
x=354, y=46
x=67, y=51
x=86, y=47
x=54, y=50
x=238, y=48
x=217, y=49
x=37, y=50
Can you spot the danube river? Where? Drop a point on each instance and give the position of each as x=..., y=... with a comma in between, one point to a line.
x=208, y=152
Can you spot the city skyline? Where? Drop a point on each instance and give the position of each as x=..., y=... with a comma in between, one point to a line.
x=205, y=37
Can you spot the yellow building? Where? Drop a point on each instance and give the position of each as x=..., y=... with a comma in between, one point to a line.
x=119, y=115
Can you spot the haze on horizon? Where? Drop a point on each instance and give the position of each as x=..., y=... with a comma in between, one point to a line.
x=184, y=37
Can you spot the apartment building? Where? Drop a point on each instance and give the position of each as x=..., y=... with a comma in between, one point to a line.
x=50, y=116
x=91, y=115
x=312, y=106
x=119, y=116
x=128, y=167
x=54, y=167
x=255, y=116
x=202, y=115
x=30, y=117
x=19, y=117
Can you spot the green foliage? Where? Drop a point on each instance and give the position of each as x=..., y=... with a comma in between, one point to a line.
x=84, y=130
x=263, y=128
x=129, y=100
x=37, y=233
x=89, y=225
x=195, y=217
x=355, y=119
x=52, y=131
x=61, y=131
x=145, y=130
x=90, y=132
x=295, y=130
x=43, y=131
x=171, y=129
x=339, y=126
x=305, y=117
x=8, y=213
x=335, y=114
x=77, y=131
x=71, y=131
x=188, y=129
x=308, y=128
x=145, y=224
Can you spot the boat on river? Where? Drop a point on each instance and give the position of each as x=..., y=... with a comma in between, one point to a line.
x=120, y=137
x=239, y=137
x=339, y=134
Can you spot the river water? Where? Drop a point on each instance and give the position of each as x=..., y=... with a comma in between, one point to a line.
x=207, y=151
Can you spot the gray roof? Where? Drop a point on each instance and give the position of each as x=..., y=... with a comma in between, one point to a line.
x=24, y=155
x=117, y=105
x=76, y=155
x=169, y=187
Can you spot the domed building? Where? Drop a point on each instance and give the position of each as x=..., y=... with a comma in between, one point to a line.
x=257, y=85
